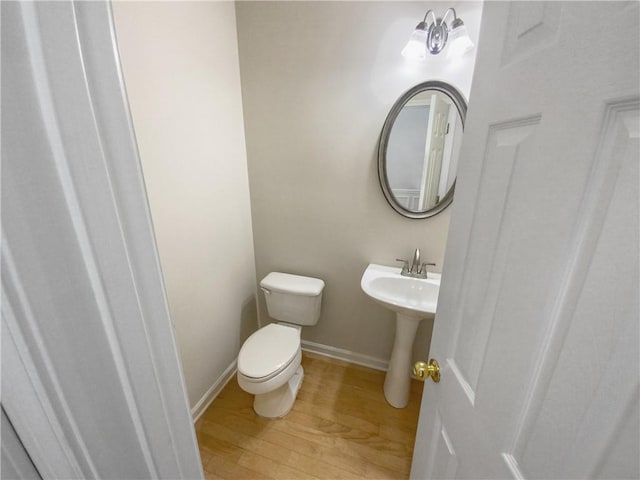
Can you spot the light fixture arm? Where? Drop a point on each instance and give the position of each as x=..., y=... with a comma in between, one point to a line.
x=433, y=16
x=446, y=14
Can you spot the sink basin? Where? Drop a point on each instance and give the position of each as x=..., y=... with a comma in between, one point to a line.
x=412, y=299
x=415, y=297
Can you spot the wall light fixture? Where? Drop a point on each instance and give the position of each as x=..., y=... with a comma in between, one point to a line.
x=432, y=35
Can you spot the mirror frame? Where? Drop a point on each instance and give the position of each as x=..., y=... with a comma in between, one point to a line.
x=460, y=103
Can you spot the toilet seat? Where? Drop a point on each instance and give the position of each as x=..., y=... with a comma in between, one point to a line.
x=268, y=352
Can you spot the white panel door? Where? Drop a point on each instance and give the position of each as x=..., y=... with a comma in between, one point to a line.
x=91, y=380
x=434, y=150
x=537, y=328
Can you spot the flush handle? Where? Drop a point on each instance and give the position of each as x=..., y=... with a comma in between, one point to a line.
x=425, y=370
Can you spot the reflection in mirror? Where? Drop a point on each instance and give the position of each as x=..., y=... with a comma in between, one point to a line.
x=419, y=149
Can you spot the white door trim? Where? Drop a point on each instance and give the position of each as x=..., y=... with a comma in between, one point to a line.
x=91, y=289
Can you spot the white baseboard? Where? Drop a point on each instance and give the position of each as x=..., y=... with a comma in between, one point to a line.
x=345, y=355
x=211, y=394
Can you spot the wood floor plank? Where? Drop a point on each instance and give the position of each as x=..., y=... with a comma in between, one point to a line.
x=340, y=427
x=327, y=401
x=312, y=424
x=218, y=448
x=320, y=468
x=338, y=457
x=365, y=449
x=273, y=468
x=234, y=471
x=205, y=456
x=247, y=442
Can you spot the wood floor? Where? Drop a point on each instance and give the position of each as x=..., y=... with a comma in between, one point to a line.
x=339, y=427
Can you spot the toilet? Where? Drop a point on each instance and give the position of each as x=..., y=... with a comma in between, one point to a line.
x=269, y=360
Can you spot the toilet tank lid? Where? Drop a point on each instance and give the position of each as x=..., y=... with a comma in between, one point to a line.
x=295, y=284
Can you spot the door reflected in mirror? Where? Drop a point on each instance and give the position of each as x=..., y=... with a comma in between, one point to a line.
x=419, y=149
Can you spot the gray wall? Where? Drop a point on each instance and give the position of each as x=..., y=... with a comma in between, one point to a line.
x=180, y=64
x=318, y=79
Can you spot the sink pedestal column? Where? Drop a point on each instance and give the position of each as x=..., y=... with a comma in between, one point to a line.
x=397, y=382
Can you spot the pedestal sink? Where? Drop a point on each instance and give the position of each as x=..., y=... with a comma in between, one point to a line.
x=413, y=299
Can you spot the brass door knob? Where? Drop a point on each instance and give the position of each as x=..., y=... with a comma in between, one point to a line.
x=425, y=370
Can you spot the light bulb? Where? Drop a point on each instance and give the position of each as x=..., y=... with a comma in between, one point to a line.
x=416, y=47
x=459, y=41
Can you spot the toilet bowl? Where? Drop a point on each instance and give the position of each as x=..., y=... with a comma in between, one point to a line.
x=269, y=367
x=269, y=360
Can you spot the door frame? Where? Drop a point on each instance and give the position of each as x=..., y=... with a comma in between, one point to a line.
x=40, y=409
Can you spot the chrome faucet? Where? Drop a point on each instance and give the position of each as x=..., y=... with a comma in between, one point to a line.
x=415, y=268
x=415, y=263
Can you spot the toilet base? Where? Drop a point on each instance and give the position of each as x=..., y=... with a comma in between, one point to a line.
x=278, y=403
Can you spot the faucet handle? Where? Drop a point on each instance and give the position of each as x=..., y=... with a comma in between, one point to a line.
x=405, y=265
x=423, y=267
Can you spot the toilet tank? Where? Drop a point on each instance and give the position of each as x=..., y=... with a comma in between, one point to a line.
x=293, y=298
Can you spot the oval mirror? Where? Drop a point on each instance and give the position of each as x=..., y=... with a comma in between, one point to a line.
x=419, y=147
